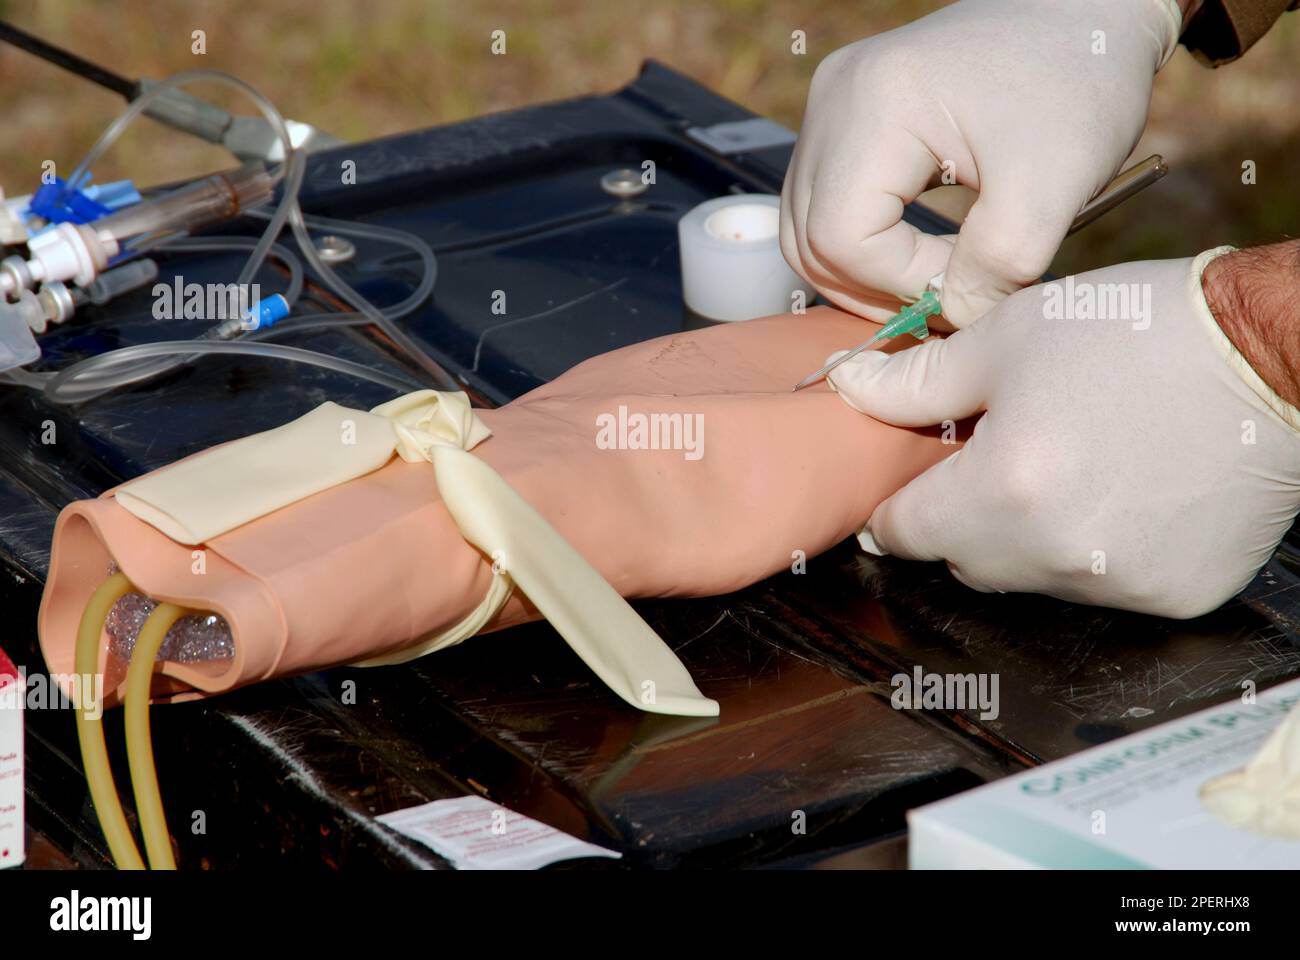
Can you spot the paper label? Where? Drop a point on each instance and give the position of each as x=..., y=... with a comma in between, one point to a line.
x=11, y=764
x=476, y=834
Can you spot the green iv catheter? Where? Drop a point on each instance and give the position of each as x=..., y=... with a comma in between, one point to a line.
x=911, y=319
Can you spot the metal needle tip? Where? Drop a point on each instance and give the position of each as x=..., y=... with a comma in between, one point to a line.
x=824, y=371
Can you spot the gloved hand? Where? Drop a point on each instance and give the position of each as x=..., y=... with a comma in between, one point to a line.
x=1134, y=460
x=1016, y=96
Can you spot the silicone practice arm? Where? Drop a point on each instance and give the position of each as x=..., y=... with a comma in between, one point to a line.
x=369, y=567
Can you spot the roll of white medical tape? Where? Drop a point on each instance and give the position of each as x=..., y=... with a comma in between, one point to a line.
x=732, y=268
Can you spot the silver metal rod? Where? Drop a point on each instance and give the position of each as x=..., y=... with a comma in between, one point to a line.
x=1129, y=182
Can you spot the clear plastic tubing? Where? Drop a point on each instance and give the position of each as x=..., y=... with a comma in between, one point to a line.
x=95, y=374
x=85, y=380
x=441, y=378
x=309, y=323
x=64, y=388
x=349, y=228
x=229, y=244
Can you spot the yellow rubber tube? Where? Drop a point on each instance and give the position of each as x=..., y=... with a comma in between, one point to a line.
x=90, y=730
x=139, y=742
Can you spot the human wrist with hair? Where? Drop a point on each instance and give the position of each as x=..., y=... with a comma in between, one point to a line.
x=1254, y=295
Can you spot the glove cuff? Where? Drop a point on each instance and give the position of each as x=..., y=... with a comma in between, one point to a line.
x=1231, y=355
x=1173, y=15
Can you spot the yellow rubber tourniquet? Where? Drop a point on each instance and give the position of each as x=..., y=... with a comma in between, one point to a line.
x=139, y=744
x=600, y=626
x=497, y=595
x=204, y=496
x=90, y=730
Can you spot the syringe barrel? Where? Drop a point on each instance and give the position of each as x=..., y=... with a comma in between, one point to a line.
x=189, y=208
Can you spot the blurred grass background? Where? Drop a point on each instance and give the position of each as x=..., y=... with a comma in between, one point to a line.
x=363, y=70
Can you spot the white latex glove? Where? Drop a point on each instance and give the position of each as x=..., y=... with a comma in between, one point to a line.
x=1137, y=462
x=1012, y=95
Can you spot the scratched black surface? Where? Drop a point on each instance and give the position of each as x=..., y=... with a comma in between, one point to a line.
x=291, y=773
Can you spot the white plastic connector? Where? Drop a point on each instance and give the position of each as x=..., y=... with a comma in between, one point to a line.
x=69, y=252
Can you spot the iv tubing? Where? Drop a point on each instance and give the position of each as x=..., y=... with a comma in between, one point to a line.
x=58, y=386
x=287, y=208
x=60, y=390
x=63, y=385
x=222, y=244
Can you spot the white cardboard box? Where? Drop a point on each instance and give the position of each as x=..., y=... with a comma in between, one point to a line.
x=12, y=839
x=1131, y=803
